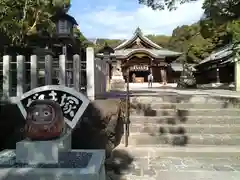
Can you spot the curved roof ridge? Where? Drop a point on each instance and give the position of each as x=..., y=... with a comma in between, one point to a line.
x=138, y=33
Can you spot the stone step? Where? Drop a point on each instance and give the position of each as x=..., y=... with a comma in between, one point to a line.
x=190, y=98
x=220, y=105
x=187, y=120
x=181, y=113
x=209, y=151
x=178, y=175
x=185, y=128
x=183, y=139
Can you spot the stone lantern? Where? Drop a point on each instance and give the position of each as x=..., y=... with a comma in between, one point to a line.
x=106, y=51
x=65, y=35
x=116, y=81
x=64, y=29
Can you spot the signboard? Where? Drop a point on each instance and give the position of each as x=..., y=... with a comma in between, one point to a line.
x=73, y=103
x=139, y=68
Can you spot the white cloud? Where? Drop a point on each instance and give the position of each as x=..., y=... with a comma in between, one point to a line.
x=111, y=22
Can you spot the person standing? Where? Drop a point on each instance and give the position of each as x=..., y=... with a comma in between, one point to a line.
x=133, y=77
x=150, y=79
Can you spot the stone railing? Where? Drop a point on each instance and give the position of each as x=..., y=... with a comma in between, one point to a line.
x=20, y=74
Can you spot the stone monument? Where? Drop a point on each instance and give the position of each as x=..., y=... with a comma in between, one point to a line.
x=117, y=81
x=187, y=78
x=51, y=113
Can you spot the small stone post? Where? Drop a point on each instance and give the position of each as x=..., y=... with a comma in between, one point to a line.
x=62, y=69
x=7, y=76
x=76, y=72
x=34, y=71
x=48, y=70
x=20, y=75
x=106, y=60
x=90, y=71
x=104, y=73
x=237, y=67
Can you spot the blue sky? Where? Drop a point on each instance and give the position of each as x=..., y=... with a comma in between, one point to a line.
x=118, y=19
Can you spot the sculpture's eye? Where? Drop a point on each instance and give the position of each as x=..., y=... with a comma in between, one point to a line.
x=36, y=113
x=46, y=113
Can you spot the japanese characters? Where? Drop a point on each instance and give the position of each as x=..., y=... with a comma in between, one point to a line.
x=71, y=102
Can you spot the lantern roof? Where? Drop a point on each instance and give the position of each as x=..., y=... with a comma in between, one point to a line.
x=64, y=16
x=106, y=48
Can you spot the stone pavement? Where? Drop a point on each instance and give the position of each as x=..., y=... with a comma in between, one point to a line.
x=164, y=168
x=180, y=168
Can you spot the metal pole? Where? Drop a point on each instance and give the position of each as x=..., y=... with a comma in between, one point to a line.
x=127, y=111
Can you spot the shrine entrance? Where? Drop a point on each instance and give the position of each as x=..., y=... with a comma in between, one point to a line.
x=139, y=73
x=140, y=67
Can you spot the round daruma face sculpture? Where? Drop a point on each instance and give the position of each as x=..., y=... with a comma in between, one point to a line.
x=44, y=121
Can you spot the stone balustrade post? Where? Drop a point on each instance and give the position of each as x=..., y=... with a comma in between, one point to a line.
x=7, y=76
x=237, y=67
x=34, y=71
x=90, y=71
x=62, y=69
x=76, y=72
x=48, y=70
x=20, y=75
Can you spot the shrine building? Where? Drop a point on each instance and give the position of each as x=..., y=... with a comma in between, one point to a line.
x=141, y=56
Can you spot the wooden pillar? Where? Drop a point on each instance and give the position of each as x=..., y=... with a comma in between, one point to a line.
x=164, y=75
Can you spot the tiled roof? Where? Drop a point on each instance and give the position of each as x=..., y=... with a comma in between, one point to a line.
x=219, y=54
x=153, y=52
x=138, y=34
x=179, y=67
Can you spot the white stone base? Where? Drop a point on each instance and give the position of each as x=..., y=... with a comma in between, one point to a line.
x=117, y=78
x=35, y=152
x=95, y=169
x=117, y=84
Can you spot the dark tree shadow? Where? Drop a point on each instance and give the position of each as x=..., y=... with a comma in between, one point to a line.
x=101, y=126
x=12, y=125
x=119, y=163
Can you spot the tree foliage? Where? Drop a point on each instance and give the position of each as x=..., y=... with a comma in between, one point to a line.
x=188, y=39
x=24, y=22
x=161, y=40
x=219, y=26
x=221, y=21
x=84, y=41
x=163, y=4
x=22, y=18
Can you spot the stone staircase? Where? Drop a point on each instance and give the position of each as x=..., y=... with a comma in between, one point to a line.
x=175, y=137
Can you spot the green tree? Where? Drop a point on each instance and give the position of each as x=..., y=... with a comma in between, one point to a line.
x=161, y=40
x=188, y=39
x=100, y=43
x=219, y=17
x=163, y=4
x=81, y=38
x=22, y=18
